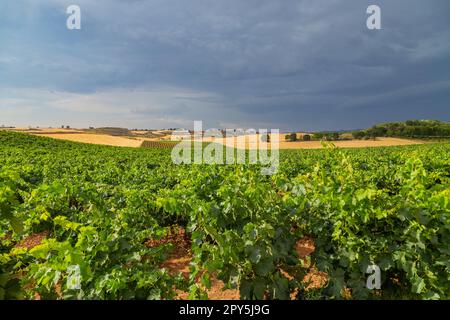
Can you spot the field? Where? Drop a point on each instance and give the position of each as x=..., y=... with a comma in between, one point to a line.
x=253, y=143
x=101, y=139
x=80, y=221
x=107, y=136
x=136, y=139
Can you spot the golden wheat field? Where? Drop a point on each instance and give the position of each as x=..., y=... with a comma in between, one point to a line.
x=254, y=141
x=251, y=141
x=102, y=139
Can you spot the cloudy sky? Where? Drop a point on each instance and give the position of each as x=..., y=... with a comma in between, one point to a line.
x=286, y=64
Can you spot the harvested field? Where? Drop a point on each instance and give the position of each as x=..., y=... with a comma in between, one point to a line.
x=44, y=130
x=379, y=142
x=97, y=139
x=157, y=135
x=160, y=139
x=253, y=141
x=119, y=132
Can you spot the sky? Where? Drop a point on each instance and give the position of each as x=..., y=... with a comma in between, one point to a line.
x=274, y=64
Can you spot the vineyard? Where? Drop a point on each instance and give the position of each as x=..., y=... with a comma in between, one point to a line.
x=71, y=212
x=158, y=144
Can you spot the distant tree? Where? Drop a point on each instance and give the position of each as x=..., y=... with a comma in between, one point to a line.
x=327, y=136
x=359, y=134
x=378, y=131
x=306, y=137
x=411, y=129
x=390, y=133
x=318, y=136
x=415, y=123
x=293, y=137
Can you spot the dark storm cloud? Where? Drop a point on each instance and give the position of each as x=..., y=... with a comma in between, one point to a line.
x=301, y=64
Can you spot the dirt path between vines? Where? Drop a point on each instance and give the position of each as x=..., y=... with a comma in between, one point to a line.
x=179, y=259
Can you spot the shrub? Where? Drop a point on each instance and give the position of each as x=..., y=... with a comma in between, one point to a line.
x=291, y=137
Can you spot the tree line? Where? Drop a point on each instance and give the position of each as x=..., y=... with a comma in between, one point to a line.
x=408, y=129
